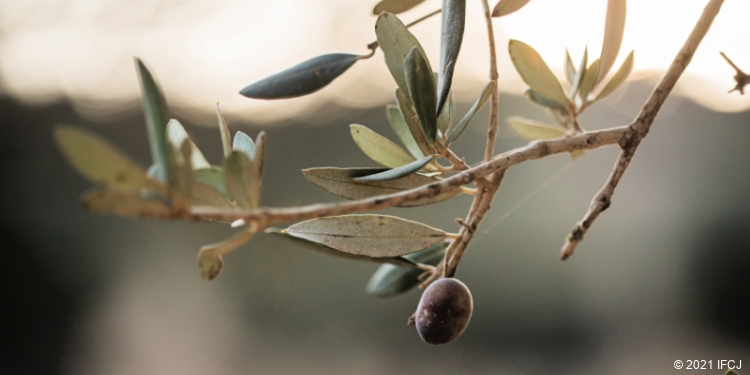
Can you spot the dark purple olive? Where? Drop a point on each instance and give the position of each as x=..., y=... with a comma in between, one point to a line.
x=444, y=311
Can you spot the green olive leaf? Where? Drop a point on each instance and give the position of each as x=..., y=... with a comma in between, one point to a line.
x=421, y=86
x=533, y=130
x=302, y=79
x=390, y=280
x=226, y=138
x=452, y=34
x=241, y=180
x=445, y=117
x=400, y=261
x=343, y=182
x=378, y=148
x=180, y=173
x=412, y=121
x=260, y=157
x=570, y=69
x=588, y=82
x=618, y=78
x=212, y=176
x=176, y=134
x=100, y=162
x=396, y=41
x=402, y=130
x=540, y=100
x=456, y=132
x=506, y=7
x=399, y=172
x=614, y=28
x=581, y=72
x=210, y=257
x=124, y=203
x=535, y=72
x=206, y=195
x=156, y=113
x=395, y=6
x=370, y=235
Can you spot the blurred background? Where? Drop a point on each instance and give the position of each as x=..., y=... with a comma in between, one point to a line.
x=661, y=276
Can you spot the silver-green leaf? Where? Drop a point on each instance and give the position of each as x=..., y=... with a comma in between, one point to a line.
x=371, y=235
x=396, y=41
x=419, y=80
x=614, y=29
x=412, y=121
x=399, y=172
x=535, y=72
x=390, y=280
x=533, y=130
x=456, y=132
x=618, y=78
x=505, y=7
x=378, y=148
x=399, y=125
x=395, y=6
x=156, y=113
x=452, y=34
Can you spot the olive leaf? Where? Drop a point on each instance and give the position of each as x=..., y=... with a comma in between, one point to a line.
x=176, y=134
x=396, y=41
x=124, y=203
x=540, y=100
x=400, y=261
x=618, y=78
x=371, y=235
x=378, y=148
x=570, y=69
x=226, y=138
x=390, y=280
x=588, y=82
x=506, y=7
x=419, y=80
x=456, y=132
x=395, y=6
x=580, y=74
x=343, y=182
x=210, y=257
x=535, y=72
x=445, y=117
x=155, y=111
x=260, y=156
x=452, y=34
x=212, y=176
x=614, y=28
x=533, y=130
x=399, y=172
x=302, y=79
x=207, y=195
x=100, y=162
x=412, y=121
x=180, y=172
x=241, y=179
x=243, y=143
x=402, y=130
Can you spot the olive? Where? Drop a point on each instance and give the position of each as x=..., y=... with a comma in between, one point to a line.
x=444, y=311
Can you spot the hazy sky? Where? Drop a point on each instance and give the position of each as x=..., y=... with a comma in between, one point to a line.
x=206, y=51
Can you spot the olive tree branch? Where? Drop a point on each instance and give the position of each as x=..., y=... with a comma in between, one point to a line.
x=640, y=127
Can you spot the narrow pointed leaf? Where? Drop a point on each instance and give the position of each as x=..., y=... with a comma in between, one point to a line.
x=533, y=130
x=243, y=143
x=370, y=235
x=390, y=280
x=180, y=172
x=614, y=29
x=452, y=34
x=378, y=148
x=241, y=185
x=396, y=41
x=343, y=182
x=155, y=111
x=540, y=100
x=395, y=6
x=588, y=82
x=100, y=162
x=535, y=72
x=579, y=75
x=124, y=203
x=401, y=128
x=205, y=195
x=301, y=79
x=506, y=7
x=226, y=138
x=310, y=245
x=401, y=171
x=570, y=69
x=620, y=76
x=466, y=120
x=260, y=158
x=412, y=121
x=419, y=80
x=176, y=134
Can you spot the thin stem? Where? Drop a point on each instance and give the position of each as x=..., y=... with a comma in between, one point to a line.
x=489, y=149
x=640, y=127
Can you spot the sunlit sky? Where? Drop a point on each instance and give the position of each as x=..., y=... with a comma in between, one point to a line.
x=205, y=51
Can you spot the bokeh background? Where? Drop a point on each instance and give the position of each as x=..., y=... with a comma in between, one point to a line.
x=661, y=276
